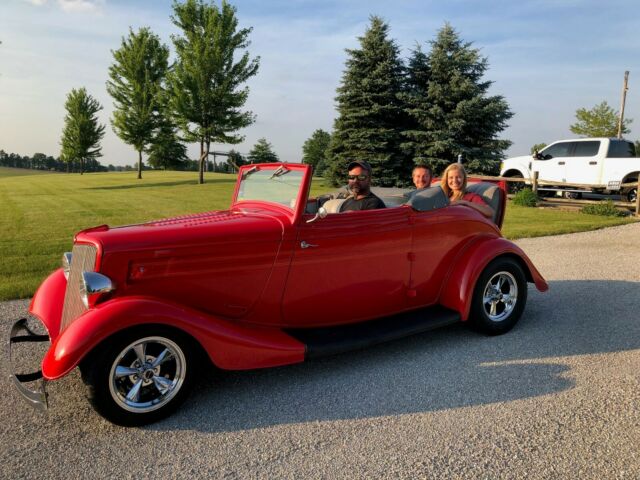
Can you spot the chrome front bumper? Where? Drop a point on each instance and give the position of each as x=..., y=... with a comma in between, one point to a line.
x=21, y=333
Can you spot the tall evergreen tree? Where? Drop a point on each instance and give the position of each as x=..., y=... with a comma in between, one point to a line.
x=136, y=79
x=416, y=103
x=370, y=114
x=165, y=149
x=314, y=150
x=456, y=115
x=206, y=83
x=262, y=152
x=81, y=133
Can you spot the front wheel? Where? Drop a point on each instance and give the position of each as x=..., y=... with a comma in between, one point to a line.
x=499, y=297
x=140, y=377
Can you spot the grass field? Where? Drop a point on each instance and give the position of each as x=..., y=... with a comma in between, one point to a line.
x=39, y=214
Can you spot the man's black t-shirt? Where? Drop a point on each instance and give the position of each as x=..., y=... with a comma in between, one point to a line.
x=369, y=202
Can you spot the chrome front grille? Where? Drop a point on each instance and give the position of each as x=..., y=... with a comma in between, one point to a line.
x=83, y=260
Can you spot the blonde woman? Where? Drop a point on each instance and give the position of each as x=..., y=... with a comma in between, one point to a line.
x=454, y=184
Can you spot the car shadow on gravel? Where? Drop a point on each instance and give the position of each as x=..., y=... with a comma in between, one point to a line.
x=445, y=369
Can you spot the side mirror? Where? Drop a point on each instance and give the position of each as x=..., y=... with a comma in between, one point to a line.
x=322, y=212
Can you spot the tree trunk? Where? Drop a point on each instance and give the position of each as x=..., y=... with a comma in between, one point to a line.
x=81, y=166
x=203, y=156
x=139, y=164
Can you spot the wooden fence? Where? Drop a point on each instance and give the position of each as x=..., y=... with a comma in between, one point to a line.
x=535, y=183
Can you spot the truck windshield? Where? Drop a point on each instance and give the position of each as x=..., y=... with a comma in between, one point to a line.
x=278, y=185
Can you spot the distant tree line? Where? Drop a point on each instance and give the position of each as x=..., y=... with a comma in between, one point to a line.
x=41, y=161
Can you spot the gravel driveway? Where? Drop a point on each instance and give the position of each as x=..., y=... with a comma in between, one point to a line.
x=558, y=397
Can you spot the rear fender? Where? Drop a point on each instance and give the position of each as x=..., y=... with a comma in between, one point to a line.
x=457, y=292
x=229, y=345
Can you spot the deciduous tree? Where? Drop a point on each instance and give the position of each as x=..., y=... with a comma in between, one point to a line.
x=136, y=79
x=206, y=84
x=600, y=121
x=82, y=133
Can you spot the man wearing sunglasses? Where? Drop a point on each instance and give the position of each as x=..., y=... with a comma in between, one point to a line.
x=360, y=187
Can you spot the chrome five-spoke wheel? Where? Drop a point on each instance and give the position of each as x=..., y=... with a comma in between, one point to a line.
x=499, y=296
x=147, y=374
x=140, y=375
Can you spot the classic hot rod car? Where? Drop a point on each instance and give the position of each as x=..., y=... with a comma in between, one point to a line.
x=274, y=280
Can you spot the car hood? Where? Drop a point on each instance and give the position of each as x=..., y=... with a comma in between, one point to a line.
x=209, y=228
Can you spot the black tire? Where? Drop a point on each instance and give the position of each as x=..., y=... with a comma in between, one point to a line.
x=493, y=309
x=141, y=375
x=632, y=194
x=514, y=187
x=573, y=195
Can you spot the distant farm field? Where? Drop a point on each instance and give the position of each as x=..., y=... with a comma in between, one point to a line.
x=39, y=214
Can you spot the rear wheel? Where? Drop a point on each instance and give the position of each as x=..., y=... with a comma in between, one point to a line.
x=499, y=297
x=632, y=194
x=573, y=195
x=140, y=376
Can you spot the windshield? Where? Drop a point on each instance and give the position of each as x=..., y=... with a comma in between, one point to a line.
x=271, y=184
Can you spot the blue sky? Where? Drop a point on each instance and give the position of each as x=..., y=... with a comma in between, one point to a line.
x=547, y=58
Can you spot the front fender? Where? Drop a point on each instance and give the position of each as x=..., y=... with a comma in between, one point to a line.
x=48, y=300
x=230, y=345
x=457, y=292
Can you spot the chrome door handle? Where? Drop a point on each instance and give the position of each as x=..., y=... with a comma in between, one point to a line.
x=593, y=163
x=560, y=163
x=304, y=244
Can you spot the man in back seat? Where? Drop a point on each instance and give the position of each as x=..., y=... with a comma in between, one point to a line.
x=360, y=187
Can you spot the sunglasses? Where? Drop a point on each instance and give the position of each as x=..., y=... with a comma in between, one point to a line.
x=360, y=177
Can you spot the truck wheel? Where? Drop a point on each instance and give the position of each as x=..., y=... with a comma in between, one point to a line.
x=140, y=376
x=499, y=297
x=632, y=194
x=573, y=195
x=515, y=187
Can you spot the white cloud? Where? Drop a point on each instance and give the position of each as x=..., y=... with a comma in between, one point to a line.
x=80, y=5
x=37, y=3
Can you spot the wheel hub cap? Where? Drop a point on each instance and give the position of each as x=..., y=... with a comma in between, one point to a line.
x=500, y=296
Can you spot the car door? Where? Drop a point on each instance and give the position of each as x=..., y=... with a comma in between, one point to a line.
x=347, y=267
x=551, y=164
x=584, y=165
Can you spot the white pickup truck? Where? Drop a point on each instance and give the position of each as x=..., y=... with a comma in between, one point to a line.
x=603, y=163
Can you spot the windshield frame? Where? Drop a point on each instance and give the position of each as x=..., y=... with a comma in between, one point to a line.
x=246, y=171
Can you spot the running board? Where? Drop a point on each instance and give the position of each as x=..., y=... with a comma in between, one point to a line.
x=326, y=341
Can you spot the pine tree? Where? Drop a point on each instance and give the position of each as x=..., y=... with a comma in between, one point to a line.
x=456, y=115
x=314, y=150
x=165, y=149
x=416, y=104
x=82, y=133
x=370, y=114
x=136, y=83
x=206, y=83
x=262, y=152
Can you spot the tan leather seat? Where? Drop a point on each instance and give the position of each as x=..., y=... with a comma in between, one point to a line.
x=334, y=205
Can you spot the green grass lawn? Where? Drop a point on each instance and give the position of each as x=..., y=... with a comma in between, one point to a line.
x=39, y=214
x=21, y=172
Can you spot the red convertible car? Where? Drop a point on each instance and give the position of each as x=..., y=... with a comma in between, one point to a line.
x=274, y=280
